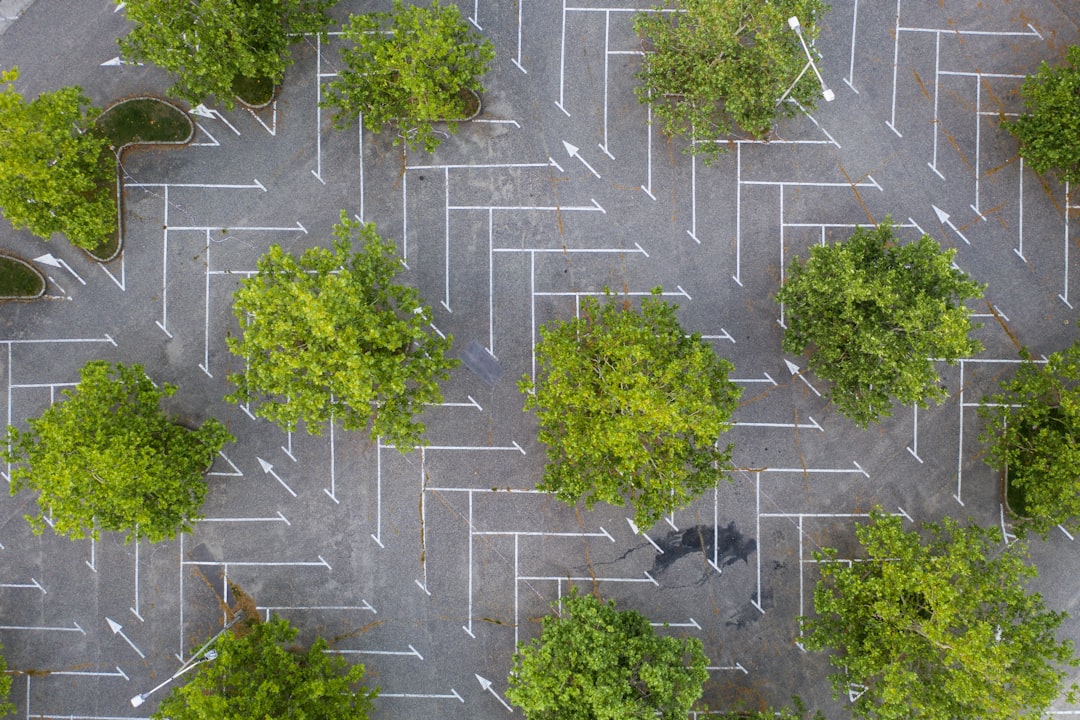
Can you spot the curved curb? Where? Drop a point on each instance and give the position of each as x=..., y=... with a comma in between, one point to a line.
x=38, y=273
x=119, y=167
x=260, y=106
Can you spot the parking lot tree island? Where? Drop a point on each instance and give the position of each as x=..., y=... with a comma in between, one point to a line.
x=937, y=624
x=630, y=403
x=221, y=48
x=330, y=336
x=409, y=68
x=874, y=315
x=1049, y=132
x=56, y=172
x=260, y=673
x=712, y=68
x=109, y=458
x=1034, y=436
x=595, y=661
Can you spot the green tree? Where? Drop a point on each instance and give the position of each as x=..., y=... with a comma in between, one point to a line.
x=409, y=68
x=628, y=402
x=875, y=315
x=260, y=675
x=1034, y=431
x=56, y=172
x=1049, y=133
x=330, y=335
x=108, y=458
x=714, y=66
x=593, y=662
x=212, y=45
x=937, y=628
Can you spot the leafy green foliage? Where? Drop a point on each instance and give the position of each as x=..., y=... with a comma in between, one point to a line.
x=330, y=335
x=629, y=403
x=56, y=174
x=1035, y=432
x=593, y=662
x=940, y=628
x=108, y=458
x=258, y=675
x=6, y=708
x=1049, y=133
x=721, y=65
x=211, y=44
x=874, y=315
x=409, y=68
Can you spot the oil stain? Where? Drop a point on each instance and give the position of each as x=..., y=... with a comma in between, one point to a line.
x=724, y=546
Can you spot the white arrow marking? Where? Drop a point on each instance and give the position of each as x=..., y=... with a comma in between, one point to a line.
x=943, y=218
x=572, y=151
x=48, y=259
x=269, y=470
x=119, y=62
x=118, y=629
x=634, y=527
x=119, y=7
x=202, y=111
x=795, y=372
x=485, y=684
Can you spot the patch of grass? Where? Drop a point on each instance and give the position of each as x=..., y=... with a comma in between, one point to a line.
x=144, y=120
x=17, y=280
x=253, y=91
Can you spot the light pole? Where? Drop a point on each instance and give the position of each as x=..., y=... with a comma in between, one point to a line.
x=829, y=95
x=197, y=658
x=141, y=697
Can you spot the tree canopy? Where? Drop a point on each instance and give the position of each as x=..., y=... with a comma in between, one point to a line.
x=715, y=66
x=1049, y=133
x=628, y=402
x=409, y=68
x=940, y=627
x=593, y=662
x=210, y=45
x=259, y=674
x=56, y=172
x=331, y=335
x=874, y=315
x=1034, y=431
x=108, y=458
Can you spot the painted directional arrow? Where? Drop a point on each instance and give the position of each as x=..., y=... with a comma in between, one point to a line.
x=795, y=372
x=572, y=151
x=486, y=685
x=48, y=259
x=118, y=62
x=118, y=629
x=269, y=470
x=634, y=527
x=203, y=111
x=943, y=218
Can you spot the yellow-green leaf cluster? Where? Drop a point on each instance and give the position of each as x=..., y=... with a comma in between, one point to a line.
x=108, y=458
x=594, y=662
x=629, y=403
x=331, y=335
x=408, y=68
x=56, y=171
x=937, y=627
x=874, y=315
x=714, y=66
x=260, y=674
